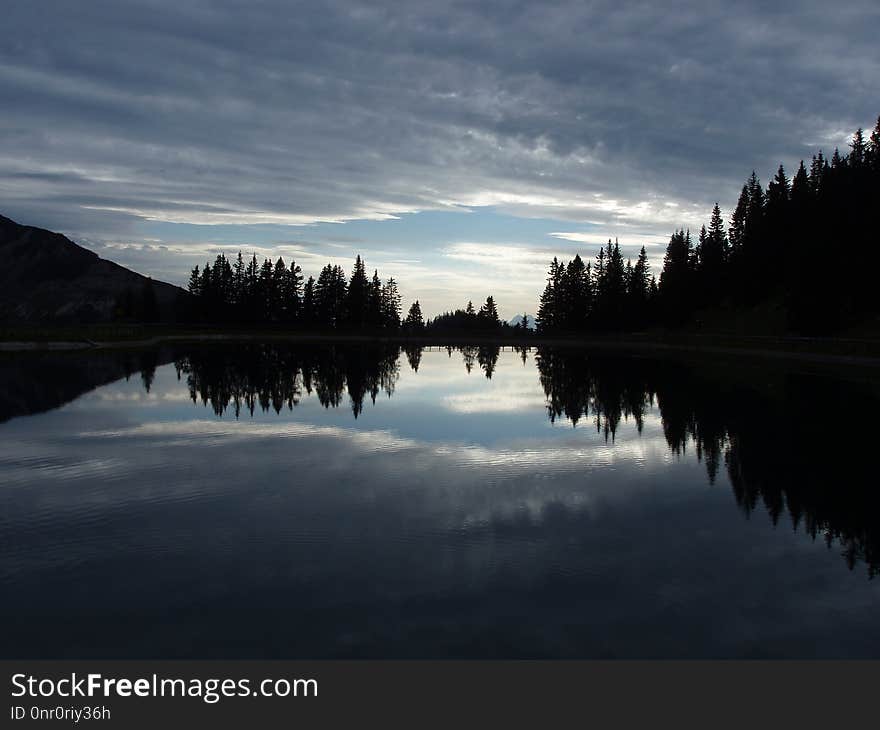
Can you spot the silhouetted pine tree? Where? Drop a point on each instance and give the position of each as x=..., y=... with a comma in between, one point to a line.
x=194, y=286
x=238, y=283
x=278, y=305
x=469, y=311
x=390, y=305
x=858, y=149
x=309, y=313
x=612, y=303
x=549, y=317
x=577, y=295
x=330, y=290
x=292, y=292
x=639, y=291
x=675, y=279
x=874, y=148
x=374, y=301
x=737, y=230
x=818, y=168
x=488, y=315
x=358, y=296
x=712, y=258
x=414, y=321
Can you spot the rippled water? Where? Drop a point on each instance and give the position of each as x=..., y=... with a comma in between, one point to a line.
x=305, y=502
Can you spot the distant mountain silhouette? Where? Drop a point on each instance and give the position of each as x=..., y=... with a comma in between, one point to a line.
x=517, y=319
x=46, y=277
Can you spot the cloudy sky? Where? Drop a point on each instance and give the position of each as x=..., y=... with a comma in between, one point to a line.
x=457, y=146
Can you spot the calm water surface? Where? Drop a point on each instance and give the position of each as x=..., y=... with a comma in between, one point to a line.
x=322, y=502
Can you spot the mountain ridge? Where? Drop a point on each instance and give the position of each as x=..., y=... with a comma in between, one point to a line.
x=47, y=278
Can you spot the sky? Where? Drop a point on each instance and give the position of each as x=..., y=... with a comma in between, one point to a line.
x=456, y=146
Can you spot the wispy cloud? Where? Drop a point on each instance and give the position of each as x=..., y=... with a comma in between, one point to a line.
x=630, y=118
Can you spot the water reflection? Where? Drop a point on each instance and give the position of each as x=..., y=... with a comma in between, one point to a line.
x=767, y=434
x=276, y=376
x=36, y=382
x=456, y=501
x=734, y=426
x=762, y=427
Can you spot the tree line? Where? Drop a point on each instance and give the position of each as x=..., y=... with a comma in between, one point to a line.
x=470, y=320
x=802, y=244
x=253, y=293
x=800, y=247
x=607, y=294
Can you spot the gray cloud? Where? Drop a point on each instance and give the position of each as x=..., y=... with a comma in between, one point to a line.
x=277, y=112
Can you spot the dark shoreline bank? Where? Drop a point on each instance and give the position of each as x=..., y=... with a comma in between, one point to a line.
x=825, y=351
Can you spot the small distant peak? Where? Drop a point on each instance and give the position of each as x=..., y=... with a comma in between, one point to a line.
x=517, y=319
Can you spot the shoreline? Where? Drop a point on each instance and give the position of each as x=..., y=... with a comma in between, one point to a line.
x=799, y=349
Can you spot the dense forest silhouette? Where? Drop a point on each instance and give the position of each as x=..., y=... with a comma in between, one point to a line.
x=249, y=292
x=802, y=245
x=246, y=292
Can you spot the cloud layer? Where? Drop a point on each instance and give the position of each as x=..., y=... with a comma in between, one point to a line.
x=628, y=117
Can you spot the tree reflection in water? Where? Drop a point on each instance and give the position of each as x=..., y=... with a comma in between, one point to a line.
x=795, y=444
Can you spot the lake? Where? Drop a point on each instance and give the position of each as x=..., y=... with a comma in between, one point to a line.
x=367, y=501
